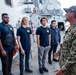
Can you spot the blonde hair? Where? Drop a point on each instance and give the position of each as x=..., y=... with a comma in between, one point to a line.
x=22, y=21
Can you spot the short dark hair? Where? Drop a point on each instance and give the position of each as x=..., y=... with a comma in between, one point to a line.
x=53, y=21
x=4, y=14
x=42, y=19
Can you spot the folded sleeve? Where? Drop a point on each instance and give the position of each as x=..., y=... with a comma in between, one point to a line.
x=18, y=32
x=30, y=31
x=38, y=31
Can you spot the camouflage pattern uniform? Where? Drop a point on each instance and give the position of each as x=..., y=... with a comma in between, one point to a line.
x=68, y=52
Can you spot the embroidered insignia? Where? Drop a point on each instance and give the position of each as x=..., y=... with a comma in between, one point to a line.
x=47, y=30
x=28, y=30
x=10, y=28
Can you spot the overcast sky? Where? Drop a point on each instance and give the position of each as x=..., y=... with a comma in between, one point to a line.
x=67, y=3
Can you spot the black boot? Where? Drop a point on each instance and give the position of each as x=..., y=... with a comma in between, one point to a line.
x=41, y=71
x=45, y=69
x=49, y=61
x=55, y=60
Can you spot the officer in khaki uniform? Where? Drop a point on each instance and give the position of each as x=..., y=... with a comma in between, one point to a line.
x=68, y=48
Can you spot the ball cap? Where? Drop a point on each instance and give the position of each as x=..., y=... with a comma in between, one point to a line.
x=72, y=9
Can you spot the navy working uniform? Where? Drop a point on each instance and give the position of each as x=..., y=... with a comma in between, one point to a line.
x=68, y=52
